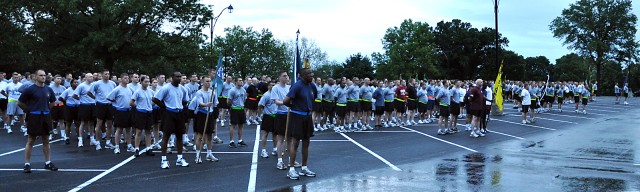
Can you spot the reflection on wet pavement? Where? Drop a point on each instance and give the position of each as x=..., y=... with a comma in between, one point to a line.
x=591, y=157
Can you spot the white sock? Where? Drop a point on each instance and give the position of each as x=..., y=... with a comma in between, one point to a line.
x=117, y=146
x=197, y=153
x=164, y=158
x=179, y=157
x=185, y=138
x=108, y=142
x=80, y=138
x=47, y=163
x=304, y=167
x=292, y=168
x=209, y=152
x=279, y=160
x=27, y=163
x=264, y=150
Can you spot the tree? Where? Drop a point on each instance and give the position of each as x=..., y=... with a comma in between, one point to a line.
x=125, y=36
x=537, y=68
x=247, y=52
x=309, y=50
x=602, y=30
x=410, y=51
x=465, y=52
x=356, y=66
x=571, y=67
x=328, y=70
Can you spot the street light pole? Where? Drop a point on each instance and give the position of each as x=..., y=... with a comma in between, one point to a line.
x=214, y=21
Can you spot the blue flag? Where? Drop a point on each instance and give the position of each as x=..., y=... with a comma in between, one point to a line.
x=298, y=64
x=219, y=75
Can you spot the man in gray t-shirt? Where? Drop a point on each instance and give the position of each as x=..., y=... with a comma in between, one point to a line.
x=237, y=116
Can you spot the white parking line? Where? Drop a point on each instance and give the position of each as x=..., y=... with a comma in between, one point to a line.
x=101, y=175
x=254, y=162
x=219, y=152
x=590, y=108
x=442, y=140
x=63, y=170
x=371, y=152
x=382, y=132
x=524, y=124
x=550, y=119
x=555, y=114
x=325, y=140
x=507, y=135
x=18, y=150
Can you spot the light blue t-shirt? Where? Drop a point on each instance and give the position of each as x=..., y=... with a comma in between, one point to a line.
x=269, y=105
x=57, y=91
x=172, y=96
x=100, y=89
x=278, y=92
x=455, y=94
x=444, y=96
x=341, y=94
x=237, y=96
x=353, y=93
x=120, y=97
x=201, y=97
x=328, y=92
x=81, y=91
x=142, y=99
x=67, y=95
x=366, y=92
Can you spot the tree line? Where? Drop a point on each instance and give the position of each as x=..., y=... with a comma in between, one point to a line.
x=158, y=37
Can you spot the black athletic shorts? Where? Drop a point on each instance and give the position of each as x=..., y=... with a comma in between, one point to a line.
x=327, y=107
x=455, y=108
x=237, y=116
x=431, y=104
x=144, y=120
x=585, y=101
x=280, y=124
x=388, y=106
x=71, y=114
x=251, y=104
x=104, y=111
x=300, y=126
x=122, y=119
x=400, y=106
x=525, y=108
x=188, y=113
x=476, y=113
x=626, y=94
x=341, y=110
x=444, y=111
x=534, y=104
x=518, y=98
x=560, y=100
x=199, y=123
x=353, y=106
x=366, y=106
x=317, y=106
x=57, y=113
x=412, y=104
x=576, y=99
x=268, y=122
x=157, y=115
x=3, y=104
x=222, y=103
x=549, y=99
x=379, y=110
x=422, y=107
x=173, y=122
x=85, y=112
x=39, y=124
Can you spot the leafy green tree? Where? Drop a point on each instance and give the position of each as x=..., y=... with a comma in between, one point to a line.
x=602, y=30
x=248, y=52
x=465, y=52
x=330, y=69
x=410, y=51
x=309, y=49
x=538, y=68
x=514, y=66
x=571, y=67
x=356, y=66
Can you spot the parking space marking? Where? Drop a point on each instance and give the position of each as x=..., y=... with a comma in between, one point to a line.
x=18, y=150
x=507, y=135
x=63, y=170
x=101, y=175
x=442, y=140
x=371, y=152
x=528, y=125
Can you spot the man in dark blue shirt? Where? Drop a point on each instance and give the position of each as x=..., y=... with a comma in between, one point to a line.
x=35, y=101
x=378, y=95
x=300, y=100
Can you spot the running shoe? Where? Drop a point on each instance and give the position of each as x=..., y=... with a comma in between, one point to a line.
x=164, y=164
x=293, y=175
x=27, y=168
x=182, y=163
x=281, y=166
x=50, y=167
x=264, y=154
x=242, y=144
x=211, y=158
x=198, y=160
x=116, y=150
x=217, y=140
x=98, y=148
x=232, y=145
x=307, y=172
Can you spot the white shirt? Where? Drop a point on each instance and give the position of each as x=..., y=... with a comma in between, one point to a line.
x=526, y=97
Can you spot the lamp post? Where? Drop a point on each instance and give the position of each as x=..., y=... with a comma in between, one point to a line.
x=214, y=21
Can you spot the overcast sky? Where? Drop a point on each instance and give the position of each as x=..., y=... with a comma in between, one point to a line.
x=345, y=27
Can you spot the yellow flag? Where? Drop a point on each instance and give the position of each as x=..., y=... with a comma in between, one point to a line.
x=306, y=64
x=497, y=88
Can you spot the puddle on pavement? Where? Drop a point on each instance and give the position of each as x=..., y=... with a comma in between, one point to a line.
x=592, y=184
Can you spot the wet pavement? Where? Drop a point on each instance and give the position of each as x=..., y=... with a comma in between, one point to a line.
x=568, y=151
x=599, y=155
